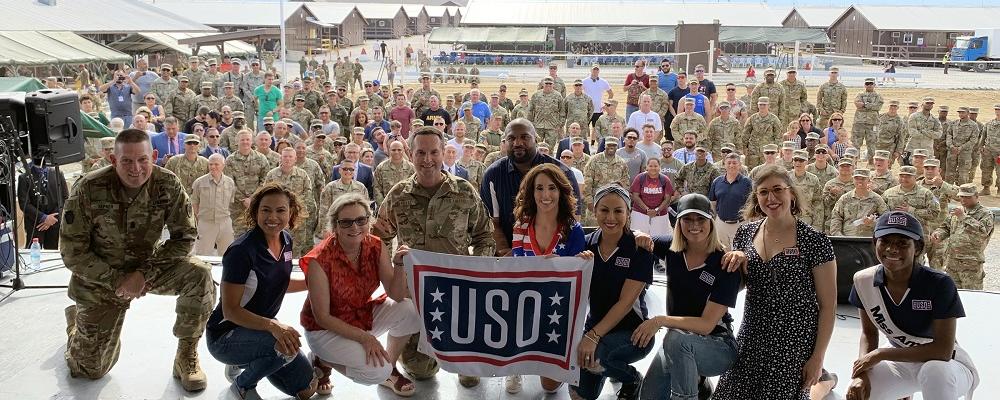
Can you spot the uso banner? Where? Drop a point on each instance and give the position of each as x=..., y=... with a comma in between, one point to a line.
x=485, y=316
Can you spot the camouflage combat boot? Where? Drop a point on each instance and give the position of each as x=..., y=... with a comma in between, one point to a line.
x=70, y=319
x=186, y=366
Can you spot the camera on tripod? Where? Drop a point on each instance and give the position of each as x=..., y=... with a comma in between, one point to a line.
x=45, y=124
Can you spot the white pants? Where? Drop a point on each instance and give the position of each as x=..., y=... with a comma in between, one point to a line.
x=935, y=380
x=213, y=235
x=652, y=226
x=726, y=232
x=399, y=319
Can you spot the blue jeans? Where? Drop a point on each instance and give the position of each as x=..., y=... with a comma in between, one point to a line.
x=616, y=353
x=682, y=360
x=629, y=109
x=254, y=351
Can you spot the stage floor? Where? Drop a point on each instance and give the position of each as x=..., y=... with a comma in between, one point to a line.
x=33, y=340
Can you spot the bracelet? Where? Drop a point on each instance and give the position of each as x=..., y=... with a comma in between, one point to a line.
x=591, y=339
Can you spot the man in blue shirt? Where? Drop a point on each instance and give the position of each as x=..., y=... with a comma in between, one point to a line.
x=667, y=79
x=502, y=180
x=120, y=92
x=699, y=99
x=144, y=78
x=479, y=108
x=728, y=193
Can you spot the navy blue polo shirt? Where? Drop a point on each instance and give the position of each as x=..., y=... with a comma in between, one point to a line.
x=688, y=291
x=608, y=278
x=501, y=182
x=729, y=197
x=932, y=295
x=248, y=262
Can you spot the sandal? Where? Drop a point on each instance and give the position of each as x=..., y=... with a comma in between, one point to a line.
x=323, y=387
x=397, y=382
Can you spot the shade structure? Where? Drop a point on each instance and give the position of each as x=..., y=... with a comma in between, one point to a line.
x=166, y=42
x=56, y=47
x=512, y=35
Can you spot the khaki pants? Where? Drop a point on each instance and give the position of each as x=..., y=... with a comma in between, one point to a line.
x=213, y=235
x=94, y=343
x=726, y=232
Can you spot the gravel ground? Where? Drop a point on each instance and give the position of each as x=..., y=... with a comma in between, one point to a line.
x=992, y=267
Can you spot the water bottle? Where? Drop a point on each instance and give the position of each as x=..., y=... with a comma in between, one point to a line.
x=36, y=254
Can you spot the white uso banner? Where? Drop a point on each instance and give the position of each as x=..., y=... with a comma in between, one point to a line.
x=486, y=316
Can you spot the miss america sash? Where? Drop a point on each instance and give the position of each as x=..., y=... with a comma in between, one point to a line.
x=874, y=306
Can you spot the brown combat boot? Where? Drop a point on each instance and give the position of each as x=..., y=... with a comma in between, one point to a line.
x=187, y=368
x=70, y=319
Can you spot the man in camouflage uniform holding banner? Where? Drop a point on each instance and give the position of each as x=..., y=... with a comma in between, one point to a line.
x=111, y=228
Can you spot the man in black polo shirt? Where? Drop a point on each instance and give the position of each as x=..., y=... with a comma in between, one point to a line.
x=502, y=180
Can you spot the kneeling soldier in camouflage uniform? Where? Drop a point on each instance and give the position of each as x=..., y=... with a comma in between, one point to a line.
x=111, y=226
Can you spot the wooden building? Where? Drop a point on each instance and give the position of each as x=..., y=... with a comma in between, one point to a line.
x=417, y=19
x=385, y=21
x=906, y=32
x=342, y=23
x=438, y=17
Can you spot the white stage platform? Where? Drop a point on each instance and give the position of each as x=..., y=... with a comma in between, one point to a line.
x=33, y=340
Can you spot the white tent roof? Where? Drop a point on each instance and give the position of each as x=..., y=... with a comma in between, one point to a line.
x=229, y=12
x=923, y=18
x=615, y=13
x=94, y=16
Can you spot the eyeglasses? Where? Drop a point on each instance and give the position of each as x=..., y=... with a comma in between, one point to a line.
x=565, y=157
x=777, y=191
x=836, y=119
x=805, y=120
x=347, y=169
x=346, y=223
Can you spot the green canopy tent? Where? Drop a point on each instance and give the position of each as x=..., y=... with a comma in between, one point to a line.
x=92, y=127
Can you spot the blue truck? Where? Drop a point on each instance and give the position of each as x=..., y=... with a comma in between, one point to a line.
x=976, y=52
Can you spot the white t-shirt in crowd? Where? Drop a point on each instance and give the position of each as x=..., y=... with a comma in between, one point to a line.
x=639, y=118
x=596, y=89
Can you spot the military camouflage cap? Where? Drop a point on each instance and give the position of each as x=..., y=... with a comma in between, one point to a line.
x=907, y=170
x=800, y=155
x=822, y=146
x=996, y=106
x=268, y=120
x=769, y=148
x=234, y=60
x=973, y=110
x=183, y=78
x=861, y=172
x=967, y=190
x=652, y=78
x=724, y=104
x=728, y=146
x=845, y=161
x=315, y=122
x=596, y=66
x=552, y=64
x=300, y=97
x=578, y=83
x=611, y=141
x=212, y=61
x=239, y=115
x=416, y=123
x=920, y=153
x=789, y=144
x=192, y=139
x=228, y=85
x=611, y=103
x=481, y=146
x=363, y=98
x=286, y=120
x=913, y=104
x=166, y=67
x=425, y=76
x=468, y=143
x=812, y=136
x=548, y=79
x=851, y=152
x=928, y=99
x=693, y=82
x=881, y=155
x=206, y=85
x=764, y=100
x=523, y=92
x=769, y=71
x=932, y=162
x=869, y=80
x=576, y=140
x=689, y=100
x=319, y=135
x=943, y=108
x=496, y=95
x=894, y=103
x=467, y=105
x=340, y=139
x=357, y=130
x=963, y=109
x=193, y=59
x=834, y=69
x=107, y=142
x=790, y=70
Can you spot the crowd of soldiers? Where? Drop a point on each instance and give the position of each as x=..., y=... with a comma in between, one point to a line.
x=318, y=128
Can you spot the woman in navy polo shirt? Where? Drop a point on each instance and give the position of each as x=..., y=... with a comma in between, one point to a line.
x=621, y=273
x=916, y=309
x=544, y=208
x=256, y=273
x=699, y=294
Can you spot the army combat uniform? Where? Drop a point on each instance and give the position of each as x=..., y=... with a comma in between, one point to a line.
x=187, y=170
x=299, y=182
x=757, y=132
x=963, y=136
x=248, y=172
x=811, y=194
x=891, y=135
x=602, y=170
x=866, y=119
x=547, y=111
x=991, y=152
x=845, y=220
x=944, y=193
x=106, y=234
x=388, y=174
x=831, y=98
x=967, y=237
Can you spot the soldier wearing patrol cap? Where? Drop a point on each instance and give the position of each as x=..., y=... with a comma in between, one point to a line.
x=770, y=89
x=251, y=80
x=720, y=162
x=300, y=113
x=229, y=97
x=891, y=133
x=855, y=212
x=918, y=158
x=788, y=148
x=940, y=149
x=117, y=260
x=363, y=106
x=577, y=146
x=688, y=120
x=547, y=111
x=229, y=138
x=696, y=176
x=962, y=138
x=882, y=177
x=248, y=169
x=493, y=135
x=770, y=157
x=977, y=152
x=661, y=101
x=207, y=99
x=181, y=104
x=579, y=106
x=107, y=149
x=836, y=187
x=557, y=82
x=603, y=126
x=212, y=76
x=831, y=98
x=867, y=106
x=911, y=107
x=763, y=127
x=812, y=140
x=469, y=162
x=724, y=128
x=603, y=169
x=967, y=230
x=923, y=127
x=915, y=199
x=497, y=109
x=520, y=109
x=810, y=191
x=194, y=71
x=944, y=193
x=421, y=99
x=823, y=165
x=190, y=165
x=233, y=76
x=314, y=99
x=991, y=153
x=795, y=98
x=164, y=86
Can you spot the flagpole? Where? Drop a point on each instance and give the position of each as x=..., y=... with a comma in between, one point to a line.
x=284, y=53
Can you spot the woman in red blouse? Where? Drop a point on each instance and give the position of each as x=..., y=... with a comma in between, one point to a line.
x=342, y=319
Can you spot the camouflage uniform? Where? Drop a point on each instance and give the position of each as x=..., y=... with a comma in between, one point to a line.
x=684, y=122
x=557, y=84
x=340, y=115
x=977, y=153
x=831, y=98
x=694, y=178
x=520, y=111
x=106, y=235
x=865, y=120
x=963, y=134
x=331, y=191
x=923, y=130
x=303, y=116
x=234, y=103
x=970, y=233
x=211, y=102
x=721, y=131
x=248, y=172
x=388, y=175
x=421, y=100
x=603, y=126
x=228, y=138
x=318, y=177
x=794, y=102
x=272, y=157
x=547, y=111
x=883, y=181
x=599, y=171
x=195, y=77
x=661, y=103
x=823, y=175
x=501, y=111
x=774, y=92
x=325, y=159
x=163, y=89
x=850, y=208
x=491, y=139
x=187, y=170
x=213, y=78
x=891, y=135
x=299, y=182
x=991, y=150
x=472, y=126
x=449, y=220
x=579, y=109
x=830, y=199
x=181, y=105
x=923, y=204
x=811, y=195
x=250, y=82
x=943, y=194
x=758, y=131
x=314, y=100
x=476, y=170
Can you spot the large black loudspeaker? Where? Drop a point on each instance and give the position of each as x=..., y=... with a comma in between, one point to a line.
x=853, y=254
x=54, y=126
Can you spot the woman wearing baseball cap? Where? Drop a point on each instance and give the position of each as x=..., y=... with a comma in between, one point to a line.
x=916, y=308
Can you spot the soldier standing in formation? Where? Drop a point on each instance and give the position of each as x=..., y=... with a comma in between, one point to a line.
x=117, y=260
x=547, y=110
x=190, y=165
x=763, y=127
x=967, y=230
x=991, y=153
x=963, y=136
x=944, y=193
x=923, y=128
x=579, y=106
x=770, y=89
x=394, y=170
x=181, y=103
x=795, y=98
x=299, y=182
x=867, y=104
x=724, y=128
x=831, y=98
x=891, y=133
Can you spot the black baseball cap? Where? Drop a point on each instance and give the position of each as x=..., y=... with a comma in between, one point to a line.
x=898, y=222
x=694, y=203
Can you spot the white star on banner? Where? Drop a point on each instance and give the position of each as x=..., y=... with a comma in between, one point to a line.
x=436, y=314
x=436, y=333
x=554, y=318
x=556, y=299
x=562, y=246
x=553, y=337
x=437, y=294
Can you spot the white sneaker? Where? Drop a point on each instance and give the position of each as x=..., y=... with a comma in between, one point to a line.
x=241, y=394
x=513, y=384
x=232, y=371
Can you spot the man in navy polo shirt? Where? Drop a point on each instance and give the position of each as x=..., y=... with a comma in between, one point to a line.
x=916, y=309
x=728, y=193
x=502, y=180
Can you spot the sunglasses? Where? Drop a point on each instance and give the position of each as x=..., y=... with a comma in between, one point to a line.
x=869, y=83
x=820, y=151
x=730, y=90
x=836, y=119
x=565, y=157
x=631, y=138
x=770, y=152
x=347, y=169
x=346, y=223
x=805, y=120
